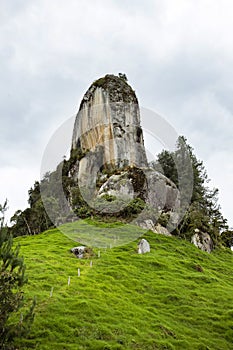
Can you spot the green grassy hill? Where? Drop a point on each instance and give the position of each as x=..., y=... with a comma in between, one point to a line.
x=176, y=297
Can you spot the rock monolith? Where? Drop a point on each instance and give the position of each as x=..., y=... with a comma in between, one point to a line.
x=110, y=157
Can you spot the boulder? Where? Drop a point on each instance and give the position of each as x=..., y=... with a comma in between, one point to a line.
x=143, y=246
x=79, y=251
x=157, y=228
x=147, y=225
x=155, y=188
x=162, y=230
x=119, y=186
x=159, y=191
x=203, y=241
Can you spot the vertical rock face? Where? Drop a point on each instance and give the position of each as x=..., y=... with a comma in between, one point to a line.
x=108, y=124
x=108, y=136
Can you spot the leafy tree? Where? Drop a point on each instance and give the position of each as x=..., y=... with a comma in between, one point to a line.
x=12, y=278
x=20, y=224
x=34, y=193
x=227, y=238
x=34, y=219
x=166, y=164
x=188, y=173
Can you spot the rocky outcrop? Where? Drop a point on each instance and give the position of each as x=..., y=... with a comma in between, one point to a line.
x=108, y=144
x=109, y=119
x=119, y=186
x=158, y=192
x=162, y=230
x=203, y=241
x=157, y=228
x=156, y=189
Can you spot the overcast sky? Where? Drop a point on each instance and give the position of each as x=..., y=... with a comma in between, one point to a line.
x=177, y=54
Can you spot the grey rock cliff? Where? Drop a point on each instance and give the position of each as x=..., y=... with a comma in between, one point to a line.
x=108, y=138
x=158, y=192
x=109, y=119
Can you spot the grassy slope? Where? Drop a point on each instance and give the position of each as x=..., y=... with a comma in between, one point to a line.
x=128, y=301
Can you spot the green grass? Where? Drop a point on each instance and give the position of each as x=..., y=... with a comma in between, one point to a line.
x=101, y=234
x=176, y=297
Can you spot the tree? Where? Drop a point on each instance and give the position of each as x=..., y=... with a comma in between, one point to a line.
x=188, y=173
x=21, y=223
x=12, y=278
x=227, y=238
x=166, y=163
x=34, y=193
x=34, y=219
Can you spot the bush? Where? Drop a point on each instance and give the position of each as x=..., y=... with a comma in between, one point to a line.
x=164, y=219
x=134, y=207
x=227, y=238
x=12, y=278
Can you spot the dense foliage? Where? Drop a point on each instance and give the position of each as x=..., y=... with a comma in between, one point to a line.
x=12, y=278
x=203, y=212
x=32, y=220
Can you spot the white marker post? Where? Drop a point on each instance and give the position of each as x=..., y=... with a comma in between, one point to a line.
x=69, y=281
x=91, y=263
x=51, y=292
x=78, y=272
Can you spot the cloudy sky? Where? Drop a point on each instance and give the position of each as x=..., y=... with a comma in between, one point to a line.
x=177, y=54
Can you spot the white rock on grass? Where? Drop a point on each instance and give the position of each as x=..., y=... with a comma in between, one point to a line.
x=143, y=246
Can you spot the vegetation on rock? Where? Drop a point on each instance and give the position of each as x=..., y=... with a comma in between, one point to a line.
x=119, y=90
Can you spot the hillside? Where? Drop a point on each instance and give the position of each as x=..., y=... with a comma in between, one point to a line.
x=176, y=297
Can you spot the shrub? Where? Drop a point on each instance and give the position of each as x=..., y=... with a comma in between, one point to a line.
x=12, y=278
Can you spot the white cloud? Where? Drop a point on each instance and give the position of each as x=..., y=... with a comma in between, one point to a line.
x=220, y=166
x=14, y=187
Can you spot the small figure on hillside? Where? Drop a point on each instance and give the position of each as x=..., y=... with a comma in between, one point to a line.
x=143, y=246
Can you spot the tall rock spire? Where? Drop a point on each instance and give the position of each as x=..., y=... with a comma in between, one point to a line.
x=108, y=125
x=108, y=136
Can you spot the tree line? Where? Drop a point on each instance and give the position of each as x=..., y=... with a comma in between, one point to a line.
x=202, y=212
